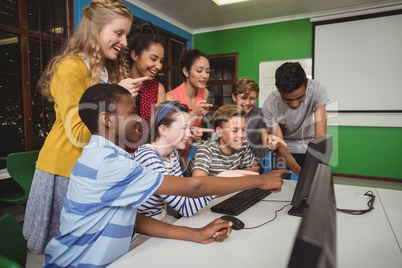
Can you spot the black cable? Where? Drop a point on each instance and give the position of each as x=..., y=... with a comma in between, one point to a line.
x=370, y=205
x=276, y=214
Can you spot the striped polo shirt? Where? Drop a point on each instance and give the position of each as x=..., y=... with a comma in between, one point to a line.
x=97, y=221
x=209, y=158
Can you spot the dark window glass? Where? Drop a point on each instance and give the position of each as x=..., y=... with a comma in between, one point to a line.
x=223, y=76
x=38, y=29
x=47, y=16
x=11, y=108
x=177, y=52
x=223, y=68
x=177, y=78
x=43, y=115
x=9, y=12
x=33, y=15
x=163, y=75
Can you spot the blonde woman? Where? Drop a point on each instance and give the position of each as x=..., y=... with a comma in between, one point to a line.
x=93, y=55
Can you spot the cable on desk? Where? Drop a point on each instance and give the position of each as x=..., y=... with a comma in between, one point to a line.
x=276, y=214
x=370, y=205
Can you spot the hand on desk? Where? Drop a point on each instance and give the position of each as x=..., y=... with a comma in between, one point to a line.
x=218, y=230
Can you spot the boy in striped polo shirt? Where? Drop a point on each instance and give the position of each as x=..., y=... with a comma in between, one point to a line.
x=230, y=151
x=107, y=185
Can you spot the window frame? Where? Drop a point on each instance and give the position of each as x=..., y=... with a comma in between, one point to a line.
x=25, y=35
x=221, y=82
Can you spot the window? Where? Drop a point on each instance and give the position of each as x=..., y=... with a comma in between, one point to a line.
x=223, y=76
x=31, y=32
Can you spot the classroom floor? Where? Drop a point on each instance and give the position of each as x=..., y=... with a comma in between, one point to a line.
x=35, y=261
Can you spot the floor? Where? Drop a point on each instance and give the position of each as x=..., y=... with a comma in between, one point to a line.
x=35, y=261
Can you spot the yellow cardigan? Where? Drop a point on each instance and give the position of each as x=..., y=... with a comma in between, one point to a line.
x=63, y=145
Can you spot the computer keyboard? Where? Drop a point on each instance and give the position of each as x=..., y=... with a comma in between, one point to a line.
x=241, y=201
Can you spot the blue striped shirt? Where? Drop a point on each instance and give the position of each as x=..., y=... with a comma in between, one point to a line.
x=97, y=221
x=147, y=156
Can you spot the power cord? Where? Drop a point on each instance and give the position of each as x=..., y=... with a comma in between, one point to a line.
x=370, y=205
x=276, y=215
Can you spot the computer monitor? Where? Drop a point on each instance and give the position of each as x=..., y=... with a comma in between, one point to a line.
x=315, y=243
x=318, y=151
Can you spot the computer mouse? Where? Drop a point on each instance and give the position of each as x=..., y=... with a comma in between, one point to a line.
x=237, y=224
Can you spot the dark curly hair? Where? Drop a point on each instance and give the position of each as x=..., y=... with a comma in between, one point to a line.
x=188, y=59
x=97, y=99
x=289, y=77
x=145, y=35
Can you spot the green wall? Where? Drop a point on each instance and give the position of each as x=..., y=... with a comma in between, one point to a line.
x=269, y=42
x=366, y=151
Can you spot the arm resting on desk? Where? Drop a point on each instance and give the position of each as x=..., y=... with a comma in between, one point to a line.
x=217, y=230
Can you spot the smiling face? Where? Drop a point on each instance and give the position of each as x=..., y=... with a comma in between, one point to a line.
x=149, y=62
x=113, y=37
x=247, y=101
x=295, y=98
x=232, y=134
x=127, y=123
x=177, y=134
x=198, y=74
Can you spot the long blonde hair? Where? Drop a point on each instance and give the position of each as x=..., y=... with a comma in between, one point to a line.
x=86, y=41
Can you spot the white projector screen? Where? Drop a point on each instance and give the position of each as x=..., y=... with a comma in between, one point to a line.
x=360, y=63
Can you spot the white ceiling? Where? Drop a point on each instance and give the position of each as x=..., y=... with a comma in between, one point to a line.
x=204, y=15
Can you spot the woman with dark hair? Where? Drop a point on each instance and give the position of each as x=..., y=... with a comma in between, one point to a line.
x=146, y=58
x=192, y=92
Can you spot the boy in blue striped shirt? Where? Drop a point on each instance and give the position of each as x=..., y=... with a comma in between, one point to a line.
x=107, y=185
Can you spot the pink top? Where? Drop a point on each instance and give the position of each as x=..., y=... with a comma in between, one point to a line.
x=179, y=93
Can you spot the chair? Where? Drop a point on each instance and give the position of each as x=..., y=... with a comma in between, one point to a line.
x=13, y=248
x=21, y=167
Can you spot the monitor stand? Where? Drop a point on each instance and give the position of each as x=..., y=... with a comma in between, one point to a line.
x=298, y=211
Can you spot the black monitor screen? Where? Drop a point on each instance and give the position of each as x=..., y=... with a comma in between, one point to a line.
x=318, y=151
x=315, y=244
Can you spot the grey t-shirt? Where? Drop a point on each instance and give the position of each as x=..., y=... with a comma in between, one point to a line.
x=297, y=125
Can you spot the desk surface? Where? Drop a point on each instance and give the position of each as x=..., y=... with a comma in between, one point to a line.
x=391, y=201
x=362, y=241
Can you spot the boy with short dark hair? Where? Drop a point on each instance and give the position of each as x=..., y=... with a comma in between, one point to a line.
x=289, y=113
x=107, y=185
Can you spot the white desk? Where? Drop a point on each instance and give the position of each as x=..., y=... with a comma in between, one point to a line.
x=4, y=174
x=363, y=241
x=391, y=201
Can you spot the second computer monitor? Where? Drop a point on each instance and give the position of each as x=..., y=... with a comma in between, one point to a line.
x=318, y=151
x=315, y=243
